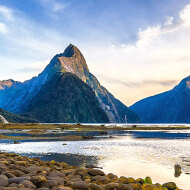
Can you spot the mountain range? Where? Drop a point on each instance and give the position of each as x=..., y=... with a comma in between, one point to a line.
x=66, y=91
x=172, y=106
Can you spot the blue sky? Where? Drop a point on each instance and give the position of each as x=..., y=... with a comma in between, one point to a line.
x=135, y=41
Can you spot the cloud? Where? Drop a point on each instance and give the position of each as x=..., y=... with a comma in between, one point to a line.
x=157, y=61
x=139, y=84
x=185, y=15
x=3, y=28
x=29, y=36
x=35, y=67
x=5, y=13
x=54, y=5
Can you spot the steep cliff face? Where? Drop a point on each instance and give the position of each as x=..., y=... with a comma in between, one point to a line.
x=169, y=107
x=71, y=60
x=66, y=99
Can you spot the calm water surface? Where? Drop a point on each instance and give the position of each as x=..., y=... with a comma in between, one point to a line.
x=135, y=153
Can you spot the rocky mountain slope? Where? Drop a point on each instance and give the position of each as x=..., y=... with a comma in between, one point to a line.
x=66, y=99
x=172, y=106
x=17, y=98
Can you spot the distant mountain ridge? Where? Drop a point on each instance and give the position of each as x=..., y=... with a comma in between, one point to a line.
x=172, y=106
x=18, y=98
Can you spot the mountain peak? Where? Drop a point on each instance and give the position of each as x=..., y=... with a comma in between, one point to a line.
x=71, y=60
x=72, y=51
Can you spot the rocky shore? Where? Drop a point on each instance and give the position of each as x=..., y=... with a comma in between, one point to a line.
x=18, y=172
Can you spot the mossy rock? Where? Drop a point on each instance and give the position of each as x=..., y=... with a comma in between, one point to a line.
x=148, y=180
x=170, y=186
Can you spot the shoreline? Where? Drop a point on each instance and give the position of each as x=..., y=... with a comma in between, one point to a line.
x=28, y=126
x=20, y=172
x=34, y=131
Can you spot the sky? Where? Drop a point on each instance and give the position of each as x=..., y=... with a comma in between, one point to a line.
x=136, y=48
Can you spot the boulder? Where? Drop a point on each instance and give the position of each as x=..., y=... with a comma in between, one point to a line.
x=136, y=186
x=140, y=180
x=59, y=180
x=13, y=185
x=93, y=186
x=8, y=174
x=4, y=162
x=17, y=173
x=56, y=174
x=62, y=187
x=127, y=180
x=80, y=185
x=38, y=180
x=170, y=185
x=150, y=187
x=178, y=171
x=125, y=187
x=111, y=186
x=52, y=183
x=100, y=179
x=22, y=163
x=3, y=167
x=18, y=179
x=34, y=169
x=69, y=171
x=28, y=184
x=94, y=172
x=17, y=167
x=3, y=181
x=148, y=180
x=112, y=176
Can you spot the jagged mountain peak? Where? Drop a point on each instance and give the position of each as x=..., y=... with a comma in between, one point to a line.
x=72, y=51
x=71, y=60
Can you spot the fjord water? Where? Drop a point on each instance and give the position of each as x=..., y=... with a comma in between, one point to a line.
x=128, y=153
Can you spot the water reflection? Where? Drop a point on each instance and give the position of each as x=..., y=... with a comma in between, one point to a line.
x=71, y=159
